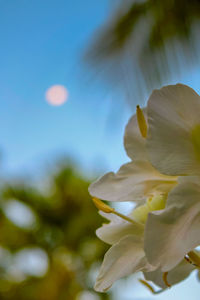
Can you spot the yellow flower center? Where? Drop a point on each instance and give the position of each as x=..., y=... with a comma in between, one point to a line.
x=142, y=124
x=195, y=136
x=156, y=202
x=139, y=215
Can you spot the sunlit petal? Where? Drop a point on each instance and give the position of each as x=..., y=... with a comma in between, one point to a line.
x=122, y=259
x=171, y=233
x=133, y=182
x=173, y=115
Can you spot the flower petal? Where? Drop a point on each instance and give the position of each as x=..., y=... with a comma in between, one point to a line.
x=122, y=259
x=112, y=232
x=173, y=114
x=179, y=273
x=134, y=143
x=171, y=233
x=133, y=182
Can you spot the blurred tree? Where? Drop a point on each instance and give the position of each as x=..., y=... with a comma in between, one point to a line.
x=147, y=42
x=59, y=226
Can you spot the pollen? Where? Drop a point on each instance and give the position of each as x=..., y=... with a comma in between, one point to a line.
x=194, y=257
x=195, y=137
x=102, y=206
x=141, y=122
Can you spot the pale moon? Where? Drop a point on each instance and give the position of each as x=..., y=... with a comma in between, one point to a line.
x=57, y=95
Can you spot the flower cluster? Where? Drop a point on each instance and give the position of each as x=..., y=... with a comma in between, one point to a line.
x=160, y=234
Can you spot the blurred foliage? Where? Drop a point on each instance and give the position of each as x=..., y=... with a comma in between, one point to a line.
x=59, y=223
x=147, y=42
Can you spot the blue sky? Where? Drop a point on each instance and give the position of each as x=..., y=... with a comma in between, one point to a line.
x=42, y=43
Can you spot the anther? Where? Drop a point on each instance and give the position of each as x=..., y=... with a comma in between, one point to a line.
x=165, y=279
x=194, y=257
x=189, y=261
x=150, y=288
x=141, y=121
x=102, y=206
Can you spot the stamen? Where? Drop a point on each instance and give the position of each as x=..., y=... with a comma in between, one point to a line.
x=165, y=279
x=141, y=122
x=194, y=258
x=189, y=261
x=107, y=209
x=102, y=206
x=146, y=284
x=126, y=218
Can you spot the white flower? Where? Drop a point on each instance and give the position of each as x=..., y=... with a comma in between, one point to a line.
x=135, y=181
x=160, y=235
x=174, y=148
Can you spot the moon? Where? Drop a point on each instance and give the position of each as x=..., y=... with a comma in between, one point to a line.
x=57, y=95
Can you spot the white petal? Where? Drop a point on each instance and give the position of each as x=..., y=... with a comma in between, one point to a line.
x=111, y=233
x=173, y=112
x=133, y=182
x=122, y=259
x=173, y=232
x=109, y=217
x=134, y=143
x=179, y=273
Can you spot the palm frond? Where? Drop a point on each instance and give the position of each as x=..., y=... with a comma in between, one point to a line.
x=145, y=43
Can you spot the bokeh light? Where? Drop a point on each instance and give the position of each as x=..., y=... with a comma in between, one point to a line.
x=57, y=95
x=19, y=213
x=32, y=261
